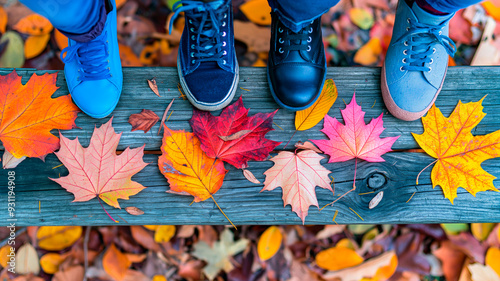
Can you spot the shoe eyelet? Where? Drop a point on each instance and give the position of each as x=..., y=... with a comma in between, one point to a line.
x=433, y=50
x=193, y=46
x=401, y=69
x=311, y=30
x=430, y=69
x=407, y=29
x=225, y=15
x=193, y=61
x=281, y=51
x=193, y=37
x=403, y=60
x=111, y=74
x=192, y=54
x=281, y=40
x=190, y=21
x=223, y=24
x=223, y=43
x=280, y=30
x=224, y=62
x=309, y=39
x=223, y=34
x=191, y=29
x=405, y=52
x=308, y=48
x=405, y=43
x=107, y=41
x=440, y=32
x=408, y=20
x=431, y=61
x=225, y=53
x=78, y=78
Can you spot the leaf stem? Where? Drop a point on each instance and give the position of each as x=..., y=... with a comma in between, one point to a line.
x=353, y=186
x=426, y=168
x=224, y=213
x=290, y=139
x=98, y=199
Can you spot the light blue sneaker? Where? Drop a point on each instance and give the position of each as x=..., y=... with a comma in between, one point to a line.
x=93, y=69
x=416, y=61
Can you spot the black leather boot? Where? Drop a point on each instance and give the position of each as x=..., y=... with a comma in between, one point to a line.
x=296, y=69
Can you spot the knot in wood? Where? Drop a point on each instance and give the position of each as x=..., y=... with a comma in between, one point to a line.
x=376, y=180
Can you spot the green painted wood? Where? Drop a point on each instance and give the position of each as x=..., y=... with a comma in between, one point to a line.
x=241, y=200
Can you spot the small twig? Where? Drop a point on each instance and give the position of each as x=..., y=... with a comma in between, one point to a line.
x=356, y=214
x=411, y=197
x=86, y=251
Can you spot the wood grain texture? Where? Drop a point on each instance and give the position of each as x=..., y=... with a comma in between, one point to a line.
x=241, y=200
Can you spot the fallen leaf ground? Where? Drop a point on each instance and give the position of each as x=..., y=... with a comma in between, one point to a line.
x=356, y=33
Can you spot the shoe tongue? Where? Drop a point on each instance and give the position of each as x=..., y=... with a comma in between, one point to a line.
x=215, y=4
x=428, y=18
x=208, y=65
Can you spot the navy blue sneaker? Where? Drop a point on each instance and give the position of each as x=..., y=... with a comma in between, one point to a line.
x=93, y=70
x=416, y=62
x=207, y=64
x=296, y=70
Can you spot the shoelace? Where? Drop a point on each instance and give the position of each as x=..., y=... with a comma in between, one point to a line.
x=418, y=38
x=205, y=31
x=92, y=58
x=296, y=41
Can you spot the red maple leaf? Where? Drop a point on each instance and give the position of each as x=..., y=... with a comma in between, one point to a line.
x=355, y=139
x=234, y=137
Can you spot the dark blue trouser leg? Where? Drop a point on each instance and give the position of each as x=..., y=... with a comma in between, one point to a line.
x=451, y=6
x=73, y=16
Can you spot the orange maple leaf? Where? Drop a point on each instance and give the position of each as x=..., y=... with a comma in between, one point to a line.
x=28, y=113
x=459, y=154
x=298, y=175
x=187, y=168
x=97, y=170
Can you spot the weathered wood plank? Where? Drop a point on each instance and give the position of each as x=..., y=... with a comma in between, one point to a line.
x=241, y=199
x=465, y=83
x=243, y=202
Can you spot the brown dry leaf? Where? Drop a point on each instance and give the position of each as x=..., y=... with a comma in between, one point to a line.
x=3, y=20
x=307, y=145
x=452, y=260
x=186, y=231
x=250, y=176
x=256, y=38
x=368, y=268
x=29, y=277
x=115, y=263
x=74, y=273
x=35, y=45
x=9, y=161
x=153, y=86
x=144, y=238
x=165, y=116
x=61, y=39
x=300, y=272
x=134, y=211
x=329, y=231
x=134, y=275
x=34, y=24
x=143, y=121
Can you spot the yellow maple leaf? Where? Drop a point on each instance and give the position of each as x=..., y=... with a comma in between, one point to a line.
x=458, y=153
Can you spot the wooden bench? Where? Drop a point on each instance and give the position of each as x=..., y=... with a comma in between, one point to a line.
x=40, y=201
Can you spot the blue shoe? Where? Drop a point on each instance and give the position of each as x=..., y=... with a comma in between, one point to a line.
x=206, y=62
x=296, y=70
x=416, y=61
x=93, y=70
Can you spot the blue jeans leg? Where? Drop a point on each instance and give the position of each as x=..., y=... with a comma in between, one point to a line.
x=72, y=16
x=451, y=6
x=296, y=14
